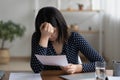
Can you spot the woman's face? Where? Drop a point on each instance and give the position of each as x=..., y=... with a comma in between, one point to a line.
x=54, y=35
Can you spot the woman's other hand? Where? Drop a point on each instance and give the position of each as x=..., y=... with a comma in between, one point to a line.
x=72, y=68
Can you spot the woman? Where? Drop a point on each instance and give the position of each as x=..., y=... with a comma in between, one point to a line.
x=51, y=37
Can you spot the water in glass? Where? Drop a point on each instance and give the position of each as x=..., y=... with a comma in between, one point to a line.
x=100, y=73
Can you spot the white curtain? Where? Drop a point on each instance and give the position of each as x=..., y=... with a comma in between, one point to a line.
x=111, y=27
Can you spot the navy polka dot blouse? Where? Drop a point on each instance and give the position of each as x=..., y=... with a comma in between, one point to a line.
x=70, y=48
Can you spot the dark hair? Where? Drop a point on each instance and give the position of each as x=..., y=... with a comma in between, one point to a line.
x=53, y=16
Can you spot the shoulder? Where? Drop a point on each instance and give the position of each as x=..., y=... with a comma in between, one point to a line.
x=75, y=35
x=35, y=35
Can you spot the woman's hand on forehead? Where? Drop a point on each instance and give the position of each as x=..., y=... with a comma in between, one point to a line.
x=47, y=27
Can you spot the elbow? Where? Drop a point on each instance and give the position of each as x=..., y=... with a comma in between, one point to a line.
x=35, y=68
x=35, y=71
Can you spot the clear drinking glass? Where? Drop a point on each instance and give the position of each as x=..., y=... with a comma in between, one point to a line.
x=116, y=68
x=100, y=70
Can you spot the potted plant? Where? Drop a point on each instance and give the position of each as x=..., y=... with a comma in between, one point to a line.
x=8, y=32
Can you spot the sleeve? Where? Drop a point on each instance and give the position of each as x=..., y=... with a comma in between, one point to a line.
x=89, y=52
x=36, y=49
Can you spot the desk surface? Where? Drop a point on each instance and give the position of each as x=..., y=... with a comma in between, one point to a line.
x=52, y=74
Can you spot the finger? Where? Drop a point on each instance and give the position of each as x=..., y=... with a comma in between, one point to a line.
x=46, y=27
x=44, y=24
x=65, y=68
x=41, y=26
x=70, y=71
x=69, y=66
x=51, y=28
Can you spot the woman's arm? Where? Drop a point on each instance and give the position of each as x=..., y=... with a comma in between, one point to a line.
x=40, y=44
x=89, y=52
x=36, y=49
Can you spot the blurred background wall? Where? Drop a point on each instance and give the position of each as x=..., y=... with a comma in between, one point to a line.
x=21, y=12
x=24, y=12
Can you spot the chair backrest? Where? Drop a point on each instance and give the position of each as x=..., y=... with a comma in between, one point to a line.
x=79, y=60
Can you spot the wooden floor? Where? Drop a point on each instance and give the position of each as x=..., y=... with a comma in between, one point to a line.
x=16, y=65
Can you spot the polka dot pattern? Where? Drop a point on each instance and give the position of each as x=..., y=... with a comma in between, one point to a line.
x=71, y=48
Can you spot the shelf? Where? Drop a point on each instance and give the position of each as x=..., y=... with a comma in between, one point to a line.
x=80, y=10
x=86, y=31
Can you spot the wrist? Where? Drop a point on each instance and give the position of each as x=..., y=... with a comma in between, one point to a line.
x=43, y=41
x=46, y=38
x=79, y=68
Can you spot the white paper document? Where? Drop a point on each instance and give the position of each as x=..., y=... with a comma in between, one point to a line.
x=25, y=76
x=60, y=60
x=113, y=77
x=79, y=76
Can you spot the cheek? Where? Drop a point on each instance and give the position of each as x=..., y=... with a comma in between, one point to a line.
x=53, y=37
